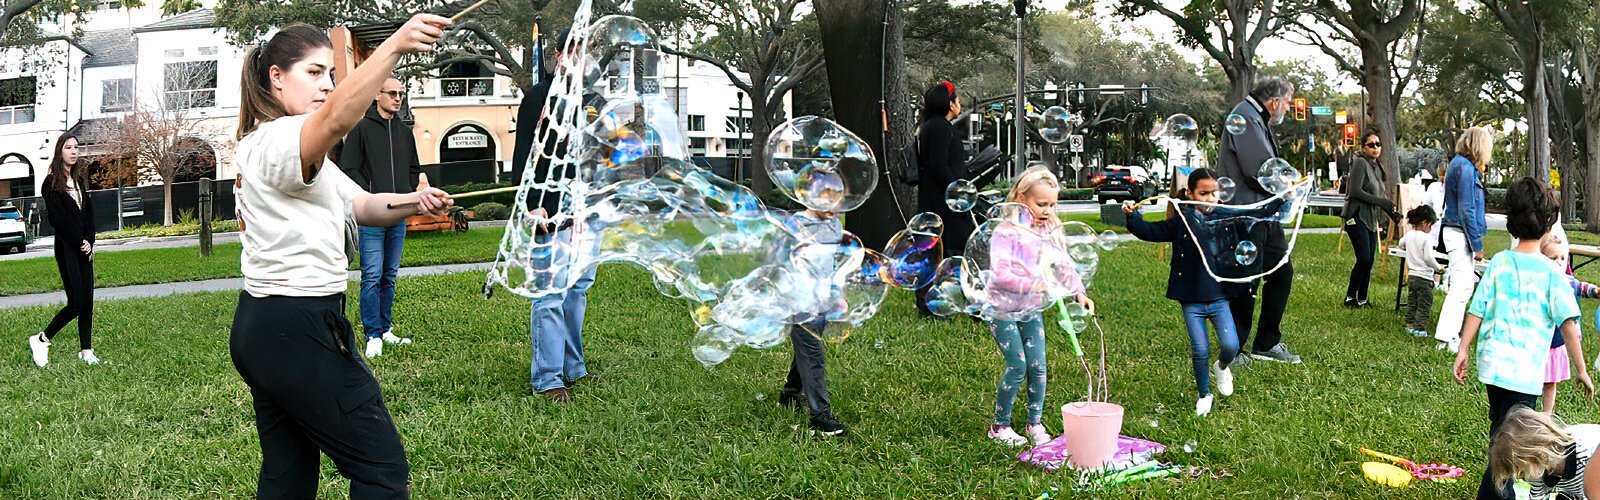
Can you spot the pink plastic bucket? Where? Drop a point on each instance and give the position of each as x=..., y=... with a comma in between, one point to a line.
x=1090, y=431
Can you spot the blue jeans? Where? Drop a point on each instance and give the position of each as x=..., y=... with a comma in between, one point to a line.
x=380, y=263
x=1022, y=345
x=556, y=330
x=1195, y=315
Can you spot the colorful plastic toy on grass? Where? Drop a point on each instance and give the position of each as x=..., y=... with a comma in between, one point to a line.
x=1385, y=474
x=1426, y=472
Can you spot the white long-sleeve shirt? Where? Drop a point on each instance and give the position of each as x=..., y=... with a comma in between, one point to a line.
x=1420, y=261
x=294, y=237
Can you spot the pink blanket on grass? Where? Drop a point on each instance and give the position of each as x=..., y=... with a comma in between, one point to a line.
x=1053, y=454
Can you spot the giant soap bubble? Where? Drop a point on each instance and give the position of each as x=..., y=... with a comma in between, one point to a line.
x=1055, y=125
x=1231, y=236
x=820, y=164
x=611, y=182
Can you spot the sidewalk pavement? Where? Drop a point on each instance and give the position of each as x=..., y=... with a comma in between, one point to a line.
x=43, y=247
x=216, y=285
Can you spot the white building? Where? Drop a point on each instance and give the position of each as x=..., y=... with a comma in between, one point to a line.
x=126, y=59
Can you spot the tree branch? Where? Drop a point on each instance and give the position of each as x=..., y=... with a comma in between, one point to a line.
x=732, y=75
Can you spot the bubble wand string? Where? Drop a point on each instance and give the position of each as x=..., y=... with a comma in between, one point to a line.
x=1141, y=203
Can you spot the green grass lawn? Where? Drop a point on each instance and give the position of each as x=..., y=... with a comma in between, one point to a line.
x=1308, y=221
x=167, y=416
x=162, y=265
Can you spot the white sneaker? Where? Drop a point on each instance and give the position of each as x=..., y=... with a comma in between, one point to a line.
x=374, y=348
x=1202, y=406
x=390, y=338
x=1224, y=378
x=41, y=349
x=1037, y=434
x=87, y=355
x=1007, y=436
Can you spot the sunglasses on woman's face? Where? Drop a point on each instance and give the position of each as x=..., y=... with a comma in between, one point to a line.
x=1374, y=145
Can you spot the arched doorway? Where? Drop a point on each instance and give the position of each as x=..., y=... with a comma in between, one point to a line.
x=466, y=142
x=16, y=176
x=195, y=160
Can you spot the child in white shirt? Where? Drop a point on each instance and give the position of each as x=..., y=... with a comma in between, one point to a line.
x=1422, y=265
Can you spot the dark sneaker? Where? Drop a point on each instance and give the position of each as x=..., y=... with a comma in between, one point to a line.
x=1279, y=353
x=559, y=395
x=823, y=423
x=792, y=400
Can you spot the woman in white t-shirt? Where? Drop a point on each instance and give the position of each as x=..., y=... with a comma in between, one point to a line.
x=291, y=341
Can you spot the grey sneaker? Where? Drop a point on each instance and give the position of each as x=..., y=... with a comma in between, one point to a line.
x=1279, y=353
x=1240, y=361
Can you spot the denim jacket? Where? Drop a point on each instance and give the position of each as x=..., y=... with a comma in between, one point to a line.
x=1463, y=201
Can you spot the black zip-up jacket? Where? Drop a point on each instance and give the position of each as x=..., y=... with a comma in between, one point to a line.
x=73, y=224
x=1187, y=280
x=381, y=155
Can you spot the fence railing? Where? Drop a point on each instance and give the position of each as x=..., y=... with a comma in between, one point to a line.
x=127, y=207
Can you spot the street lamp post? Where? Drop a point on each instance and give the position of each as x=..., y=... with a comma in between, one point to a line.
x=1020, y=154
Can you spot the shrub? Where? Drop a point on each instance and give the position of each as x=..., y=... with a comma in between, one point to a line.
x=1495, y=200
x=490, y=211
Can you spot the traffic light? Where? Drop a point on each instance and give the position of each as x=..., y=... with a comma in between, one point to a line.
x=1300, y=109
x=1350, y=134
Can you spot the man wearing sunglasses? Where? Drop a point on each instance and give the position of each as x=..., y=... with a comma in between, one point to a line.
x=380, y=155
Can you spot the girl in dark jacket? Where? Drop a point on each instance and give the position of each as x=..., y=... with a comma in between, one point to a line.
x=1366, y=208
x=71, y=215
x=1199, y=293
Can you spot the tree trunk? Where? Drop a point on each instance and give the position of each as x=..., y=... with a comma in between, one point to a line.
x=1590, y=69
x=1591, y=205
x=166, y=190
x=1381, y=105
x=1241, y=78
x=760, y=128
x=1563, y=138
x=852, y=41
x=901, y=113
x=1538, y=109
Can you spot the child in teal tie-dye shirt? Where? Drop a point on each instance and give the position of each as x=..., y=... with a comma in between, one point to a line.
x=1519, y=301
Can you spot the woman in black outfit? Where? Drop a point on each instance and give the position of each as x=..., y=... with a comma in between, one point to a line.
x=71, y=215
x=940, y=161
x=1365, y=209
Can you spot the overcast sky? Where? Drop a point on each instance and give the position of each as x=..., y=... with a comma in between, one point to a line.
x=1156, y=25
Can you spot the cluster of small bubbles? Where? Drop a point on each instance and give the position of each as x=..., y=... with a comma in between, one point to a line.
x=1055, y=125
x=1235, y=123
x=820, y=165
x=961, y=196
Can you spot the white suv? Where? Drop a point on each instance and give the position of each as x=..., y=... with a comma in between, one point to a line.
x=13, y=233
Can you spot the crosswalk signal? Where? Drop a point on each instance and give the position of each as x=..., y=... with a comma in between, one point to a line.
x=1350, y=135
x=1300, y=109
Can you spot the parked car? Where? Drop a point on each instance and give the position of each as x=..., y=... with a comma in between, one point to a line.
x=13, y=232
x=1128, y=183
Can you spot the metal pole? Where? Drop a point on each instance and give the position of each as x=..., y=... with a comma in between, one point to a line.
x=1020, y=113
x=205, y=217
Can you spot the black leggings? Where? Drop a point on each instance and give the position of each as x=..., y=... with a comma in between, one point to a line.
x=1501, y=401
x=1364, y=240
x=313, y=393
x=77, y=277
